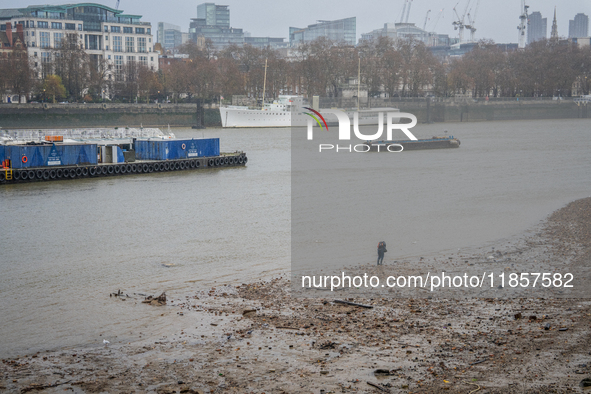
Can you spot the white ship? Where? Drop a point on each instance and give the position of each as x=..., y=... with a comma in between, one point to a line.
x=277, y=114
x=287, y=111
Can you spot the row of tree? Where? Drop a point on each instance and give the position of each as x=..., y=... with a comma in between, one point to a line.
x=318, y=68
x=405, y=68
x=543, y=69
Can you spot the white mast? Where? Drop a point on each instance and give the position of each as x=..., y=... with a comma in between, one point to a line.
x=358, y=83
x=264, y=85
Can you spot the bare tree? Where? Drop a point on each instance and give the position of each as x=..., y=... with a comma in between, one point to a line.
x=175, y=79
x=147, y=82
x=71, y=64
x=98, y=81
x=417, y=65
x=21, y=74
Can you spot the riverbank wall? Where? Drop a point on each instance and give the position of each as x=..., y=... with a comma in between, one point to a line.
x=435, y=112
x=46, y=115
x=430, y=110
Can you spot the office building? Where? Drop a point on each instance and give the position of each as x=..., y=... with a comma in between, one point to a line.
x=103, y=32
x=404, y=31
x=537, y=28
x=169, y=36
x=578, y=27
x=214, y=15
x=342, y=30
x=264, y=42
x=213, y=23
x=220, y=36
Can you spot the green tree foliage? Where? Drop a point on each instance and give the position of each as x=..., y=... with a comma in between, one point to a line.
x=53, y=86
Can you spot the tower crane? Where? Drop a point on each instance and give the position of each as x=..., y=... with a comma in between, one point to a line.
x=523, y=20
x=471, y=20
x=426, y=19
x=459, y=24
x=408, y=11
x=117, y=5
x=403, y=11
x=437, y=19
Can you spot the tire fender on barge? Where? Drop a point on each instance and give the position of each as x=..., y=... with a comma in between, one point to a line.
x=101, y=170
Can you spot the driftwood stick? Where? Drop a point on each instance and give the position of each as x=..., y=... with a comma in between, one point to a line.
x=353, y=304
x=378, y=387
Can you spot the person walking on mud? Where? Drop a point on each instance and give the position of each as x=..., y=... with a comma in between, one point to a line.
x=381, y=251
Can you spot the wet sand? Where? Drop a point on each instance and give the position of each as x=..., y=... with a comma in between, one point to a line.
x=256, y=338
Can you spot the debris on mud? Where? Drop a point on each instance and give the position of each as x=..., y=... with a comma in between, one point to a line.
x=156, y=301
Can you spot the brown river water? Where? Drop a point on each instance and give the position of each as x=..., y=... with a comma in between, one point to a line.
x=66, y=245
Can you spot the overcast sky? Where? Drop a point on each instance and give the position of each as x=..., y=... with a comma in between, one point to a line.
x=495, y=19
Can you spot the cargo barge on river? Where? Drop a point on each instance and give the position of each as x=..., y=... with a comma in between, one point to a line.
x=396, y=146
x=27, y=155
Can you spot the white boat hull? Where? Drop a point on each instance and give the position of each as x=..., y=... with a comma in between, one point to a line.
x=246, y=117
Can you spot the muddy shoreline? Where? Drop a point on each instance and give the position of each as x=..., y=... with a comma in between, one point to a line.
x=257, y=338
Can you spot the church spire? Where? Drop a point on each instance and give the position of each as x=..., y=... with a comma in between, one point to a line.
x=554, y=35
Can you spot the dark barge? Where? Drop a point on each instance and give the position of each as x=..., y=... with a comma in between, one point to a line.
x=432, y=143
x=55, y=159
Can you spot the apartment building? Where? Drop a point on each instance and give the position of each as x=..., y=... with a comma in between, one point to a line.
x=103, y=32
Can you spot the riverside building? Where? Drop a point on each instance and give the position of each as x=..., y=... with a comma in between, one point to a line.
x=213, y=24
x=169, y=36
x=103, y=32
x=342, y=30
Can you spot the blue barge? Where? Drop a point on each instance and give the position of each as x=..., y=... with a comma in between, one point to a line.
x=54, y=158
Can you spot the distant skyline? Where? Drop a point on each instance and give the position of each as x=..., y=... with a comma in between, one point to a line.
x=496, y=19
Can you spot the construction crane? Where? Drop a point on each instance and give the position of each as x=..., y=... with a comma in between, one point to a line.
x=437, y=19
x=471, y=20
x=426, y=19
x=403, y=11
x=524, y=20
x=459, y=24
x=408, y=11
x=117, y=5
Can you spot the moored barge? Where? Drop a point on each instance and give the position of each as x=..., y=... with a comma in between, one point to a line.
x=27, y=156
x=432, y=143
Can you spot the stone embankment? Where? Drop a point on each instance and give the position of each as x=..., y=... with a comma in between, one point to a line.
x=47, y=115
